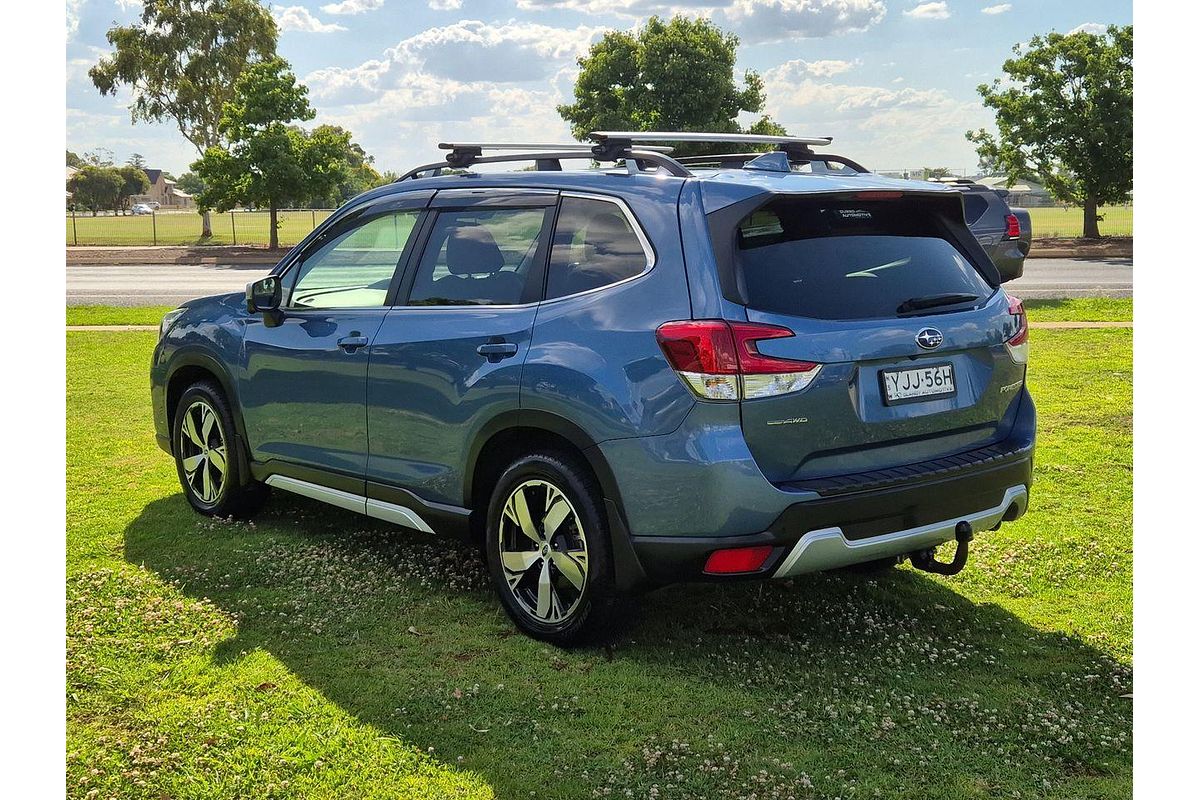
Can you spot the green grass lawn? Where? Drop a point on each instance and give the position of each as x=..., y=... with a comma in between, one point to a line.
x=1081, y=309
x=116, y=315
x=1068, y=222
x=315, y=653
x=183, y=228
x=1091, y=309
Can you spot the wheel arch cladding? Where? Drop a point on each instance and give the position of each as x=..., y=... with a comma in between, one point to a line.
x=512, y=436
x=191, y=367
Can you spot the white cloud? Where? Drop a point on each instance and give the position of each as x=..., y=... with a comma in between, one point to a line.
x=883, y=127
x=799, y=69
x=130, y=5
x=352, y=6
x=929, y=11
x=1090, y=27
x=997, y=9
x=299, y=18
x=73, y=18
x=473, y=50
x=753, y=20
x=448, y=5
x=777, y=20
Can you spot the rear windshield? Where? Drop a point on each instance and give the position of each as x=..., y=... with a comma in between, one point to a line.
x=840, y=259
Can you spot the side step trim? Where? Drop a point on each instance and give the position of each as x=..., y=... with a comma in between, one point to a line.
x=377, y=509
x=828, y=548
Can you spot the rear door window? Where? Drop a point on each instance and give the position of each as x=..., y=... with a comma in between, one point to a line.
x=595, y=245
x=841, y=259
x=481, y=256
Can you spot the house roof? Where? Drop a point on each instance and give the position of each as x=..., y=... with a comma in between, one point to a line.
x=153, y=175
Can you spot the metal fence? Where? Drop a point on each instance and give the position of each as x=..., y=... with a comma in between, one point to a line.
x=185, y=227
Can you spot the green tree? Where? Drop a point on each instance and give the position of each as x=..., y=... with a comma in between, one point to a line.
x=100, y=157
x=133, y=182
x=191, y=183
x=73, y=160
x=360, y=174
x=181, y=61
x=1065, y=114
x=94, y=187
x=675, y=75
x=270, y=161
x=930, y=173
x=136, y=160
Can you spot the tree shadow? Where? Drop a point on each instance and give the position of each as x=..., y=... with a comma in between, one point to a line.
x=829, y=685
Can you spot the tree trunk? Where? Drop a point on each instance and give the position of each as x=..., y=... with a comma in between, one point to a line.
x=1091, y=225
x=274, y=227
x=206, y=225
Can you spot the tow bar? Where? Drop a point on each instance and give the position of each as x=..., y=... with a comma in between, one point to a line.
x=925, y=559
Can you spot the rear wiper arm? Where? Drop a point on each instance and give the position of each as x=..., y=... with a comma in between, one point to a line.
x=933, y=301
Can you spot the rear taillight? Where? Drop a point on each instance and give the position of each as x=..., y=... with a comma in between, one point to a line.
x=1018, y=343
x=719, y=360
x=1014, y=227
x=736, y=560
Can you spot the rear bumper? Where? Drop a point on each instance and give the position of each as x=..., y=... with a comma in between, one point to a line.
x=854, y=526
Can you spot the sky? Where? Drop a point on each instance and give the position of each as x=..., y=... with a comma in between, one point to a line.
x=894, y=83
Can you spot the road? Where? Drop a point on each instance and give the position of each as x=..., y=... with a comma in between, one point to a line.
x=167, y=284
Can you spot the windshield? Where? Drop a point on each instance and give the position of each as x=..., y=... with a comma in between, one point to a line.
x=844, y=260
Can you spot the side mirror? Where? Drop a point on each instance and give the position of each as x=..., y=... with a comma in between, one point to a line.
x=264, y=295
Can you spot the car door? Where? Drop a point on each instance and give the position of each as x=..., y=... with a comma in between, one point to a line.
x=448, y=357
x=304, y=385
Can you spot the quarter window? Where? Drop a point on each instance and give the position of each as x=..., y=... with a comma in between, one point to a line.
x=480, y=256
x=594, y=245
x=355, y=269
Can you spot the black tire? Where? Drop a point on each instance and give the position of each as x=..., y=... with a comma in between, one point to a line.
x=584, y=614
x=210, y=490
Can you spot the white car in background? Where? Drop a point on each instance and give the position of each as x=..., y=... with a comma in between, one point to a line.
x=141, y=209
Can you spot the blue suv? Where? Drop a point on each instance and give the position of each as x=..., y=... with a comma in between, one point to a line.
x=749, y=365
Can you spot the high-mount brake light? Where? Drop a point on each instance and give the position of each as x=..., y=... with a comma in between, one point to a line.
x=719, y=360
x=878, y=195
x=1018, y=343
x=1014, y=226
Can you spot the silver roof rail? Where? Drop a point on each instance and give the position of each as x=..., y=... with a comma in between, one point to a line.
x=715, y=138
x=548, y=157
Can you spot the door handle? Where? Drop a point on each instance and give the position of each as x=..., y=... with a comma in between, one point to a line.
x=497, y=350
x=352, y=343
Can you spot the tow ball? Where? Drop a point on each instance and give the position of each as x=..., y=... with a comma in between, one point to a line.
x=926, y=560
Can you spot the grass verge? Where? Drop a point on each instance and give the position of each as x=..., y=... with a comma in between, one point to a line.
x=116, y=315
x=1091, y=309
x=314, y=653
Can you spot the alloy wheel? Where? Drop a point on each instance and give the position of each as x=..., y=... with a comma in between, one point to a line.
x=543, y=551
x=203, y=451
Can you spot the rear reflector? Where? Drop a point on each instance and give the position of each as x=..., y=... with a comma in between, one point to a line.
x=737, y=559
x=1014, y=226
x=720, y=360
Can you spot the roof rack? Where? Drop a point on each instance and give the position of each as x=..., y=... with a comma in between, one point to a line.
x=547, y=157
x=798, y=149
x=742, y=160
x=631, y=147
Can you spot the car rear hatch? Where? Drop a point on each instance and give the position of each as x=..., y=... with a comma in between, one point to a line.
x=897, y=308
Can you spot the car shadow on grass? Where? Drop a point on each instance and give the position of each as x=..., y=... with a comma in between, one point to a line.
x=827, y=685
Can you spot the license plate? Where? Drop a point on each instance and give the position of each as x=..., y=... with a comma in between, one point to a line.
x=917, y=383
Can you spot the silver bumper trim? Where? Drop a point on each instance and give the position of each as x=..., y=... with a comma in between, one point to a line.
x=829, y=548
